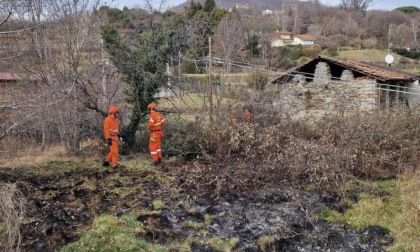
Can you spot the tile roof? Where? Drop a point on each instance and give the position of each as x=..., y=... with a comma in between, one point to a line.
x=8, y=76
x=305, y=37
x=383, y=73
x=374, y=70
x=277, y=34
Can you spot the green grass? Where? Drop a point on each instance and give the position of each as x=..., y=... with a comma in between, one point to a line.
x=109, y=233
x=266, y=242
x=193, y=225
x=223, y=244
x=395, y=212
x=158, y=204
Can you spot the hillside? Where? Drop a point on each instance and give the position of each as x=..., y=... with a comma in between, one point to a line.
x=370, y=55
x=378, y=57
x=261, y=4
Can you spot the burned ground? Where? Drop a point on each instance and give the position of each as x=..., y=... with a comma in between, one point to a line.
x=62, y=207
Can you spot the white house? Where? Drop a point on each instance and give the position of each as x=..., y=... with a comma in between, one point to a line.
x=267, y=12
x=279, y=38
x=303, y=39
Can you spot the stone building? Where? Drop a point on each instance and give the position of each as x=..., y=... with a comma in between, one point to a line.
x=325, y=85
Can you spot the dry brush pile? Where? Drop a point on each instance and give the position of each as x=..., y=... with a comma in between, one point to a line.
x=235, y=159
x=12, y=213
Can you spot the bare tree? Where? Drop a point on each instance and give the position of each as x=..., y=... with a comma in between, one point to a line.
x=350, y=25
x=282, y=17
x=63, y=52
x=295, y=14
x=402, y=36
x=358, y=5
x=381, y=21
x=415, y=26
x=230, y=35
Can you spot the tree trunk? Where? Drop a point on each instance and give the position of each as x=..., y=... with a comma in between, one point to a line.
x=130, y=131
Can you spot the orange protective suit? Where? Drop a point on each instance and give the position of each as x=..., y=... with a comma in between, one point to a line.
x=112, y=131
x=156, y=134
x=247, y=117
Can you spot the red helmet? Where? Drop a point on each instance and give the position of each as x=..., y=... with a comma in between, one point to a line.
x=151, y=105
x=113, y=110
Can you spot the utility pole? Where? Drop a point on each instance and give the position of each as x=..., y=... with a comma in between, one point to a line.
x=210, y=83
x=179, y=65
x=389, y=35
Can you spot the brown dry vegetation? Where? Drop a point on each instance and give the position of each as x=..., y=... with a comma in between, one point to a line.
x=12, y=213
x=233, y=160
x=322, y=155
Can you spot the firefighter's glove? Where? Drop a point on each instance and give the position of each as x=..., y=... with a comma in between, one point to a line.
x=109, y=140
x=152, y=139
x=157, y=124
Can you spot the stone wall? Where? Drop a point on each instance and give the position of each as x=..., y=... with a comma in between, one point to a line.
x=413, y=96
x=325, y=96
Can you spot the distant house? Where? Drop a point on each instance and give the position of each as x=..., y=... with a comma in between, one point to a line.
x=266, y=12
x=284, y=38
x=279, y=38
x=303, y=39
x=324, y=85
x=241, y=6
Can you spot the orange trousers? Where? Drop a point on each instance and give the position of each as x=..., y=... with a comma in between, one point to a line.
x=154, y=145
x=113, y=152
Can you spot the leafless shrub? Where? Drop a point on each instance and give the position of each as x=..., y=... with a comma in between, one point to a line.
x=12, y=212
x=283, y=151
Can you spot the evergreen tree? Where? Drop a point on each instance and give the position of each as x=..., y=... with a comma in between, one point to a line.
x=143, y=65
x=209, y=5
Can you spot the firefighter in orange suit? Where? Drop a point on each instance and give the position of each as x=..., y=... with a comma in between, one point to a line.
x=112, y=135
x=247, y=116
x=156, y=121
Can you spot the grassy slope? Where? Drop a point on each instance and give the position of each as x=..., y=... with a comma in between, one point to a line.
x=378, y=56
x=370, y=55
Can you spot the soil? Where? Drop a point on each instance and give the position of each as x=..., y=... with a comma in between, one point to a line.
x=62, y=207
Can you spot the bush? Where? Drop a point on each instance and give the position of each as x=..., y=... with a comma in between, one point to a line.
x=323, y=155
x=332, y=51
x=291, y=52
x=310, y=52
x=406, y=53
x=257, y=80
x=181, y=139
x=191, y=68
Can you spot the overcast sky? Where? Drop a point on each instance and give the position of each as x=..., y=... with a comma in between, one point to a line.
x=377, y=4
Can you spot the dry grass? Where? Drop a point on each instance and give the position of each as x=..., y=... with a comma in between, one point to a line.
x=91, y=149
x=407, y=226
x=12, y=212
x=370, y=55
